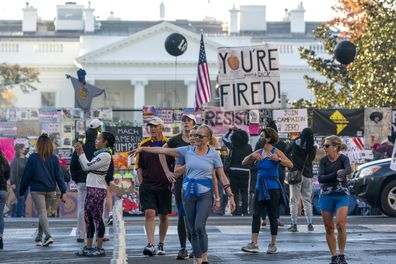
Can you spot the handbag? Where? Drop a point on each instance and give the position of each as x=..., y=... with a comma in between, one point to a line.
x=295, y=177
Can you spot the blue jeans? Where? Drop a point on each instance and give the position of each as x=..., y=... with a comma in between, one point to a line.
x=3, y=199
x=197, y=212
x=19, y=209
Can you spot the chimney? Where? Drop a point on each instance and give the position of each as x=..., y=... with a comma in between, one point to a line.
x=252, y=18
x=162, y=10
x=234, y=21
x=29, y=23
x=89, y=19
x=297, y=23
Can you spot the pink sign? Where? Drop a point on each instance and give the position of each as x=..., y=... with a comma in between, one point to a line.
x=7, y=147
x=220, y=121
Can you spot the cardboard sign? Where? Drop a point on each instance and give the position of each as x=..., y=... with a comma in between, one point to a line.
x=291, y=120
x=127, y=138
x=249, y=77
x=220, y=121
x=65, y=153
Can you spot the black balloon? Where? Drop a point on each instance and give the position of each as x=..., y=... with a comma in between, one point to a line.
x=175, y=44
x=345, y=52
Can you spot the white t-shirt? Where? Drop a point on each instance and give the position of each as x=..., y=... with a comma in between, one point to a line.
x=99, y=164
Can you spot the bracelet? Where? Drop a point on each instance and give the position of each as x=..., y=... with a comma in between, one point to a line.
x=226, y=186
x=217, y=199
x=230, y=195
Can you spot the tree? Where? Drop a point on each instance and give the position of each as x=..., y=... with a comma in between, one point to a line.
x=371, y=26
x=15, y=76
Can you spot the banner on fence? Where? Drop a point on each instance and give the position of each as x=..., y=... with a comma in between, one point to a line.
x=340, y=122
x=249, y=77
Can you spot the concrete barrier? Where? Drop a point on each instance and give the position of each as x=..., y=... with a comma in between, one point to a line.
x=119, y=251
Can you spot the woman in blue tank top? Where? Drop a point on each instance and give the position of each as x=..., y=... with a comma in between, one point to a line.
x=268, y=187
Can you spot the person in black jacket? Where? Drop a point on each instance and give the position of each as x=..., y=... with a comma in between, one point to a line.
x=302, y=152
x=239, y=174
x=4, y=176
x=79, y=176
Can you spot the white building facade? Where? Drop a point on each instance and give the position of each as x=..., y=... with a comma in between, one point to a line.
x=128, y=58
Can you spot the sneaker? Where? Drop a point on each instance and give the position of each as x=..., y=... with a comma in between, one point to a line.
x=292, y=228
x=83, y=251
x=341, y=259
x=272, y=249
x=160, y=249
x=251, y=248
x=48, y=241
x=183, y=254
x=310, y=227
x=80, y=240
x=96, y=252
x=38, y=240
x=109, y=221
x=334, y=260
x=149, y=250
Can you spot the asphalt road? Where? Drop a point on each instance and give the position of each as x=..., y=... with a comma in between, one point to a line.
x=370, y=240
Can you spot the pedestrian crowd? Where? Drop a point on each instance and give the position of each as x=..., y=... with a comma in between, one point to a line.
x=243, y=180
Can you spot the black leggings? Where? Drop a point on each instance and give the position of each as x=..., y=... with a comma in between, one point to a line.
x=181, y=223
x=272, y=207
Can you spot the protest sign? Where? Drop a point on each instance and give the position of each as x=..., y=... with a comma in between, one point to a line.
x=377, y=125
x=291, y=120
x=8, y=129
x=249, y=77
x=220, y=121
x=49, y=115
x=65, y=153
x=355, y=149
x=7, y=147
x=127, y=138
x=26, y=128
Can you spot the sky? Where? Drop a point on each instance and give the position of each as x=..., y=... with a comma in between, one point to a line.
x=316, y=10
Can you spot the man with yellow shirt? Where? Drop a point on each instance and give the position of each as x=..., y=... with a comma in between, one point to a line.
x=155, y=190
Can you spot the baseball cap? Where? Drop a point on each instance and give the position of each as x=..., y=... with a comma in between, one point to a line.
x=95, y=123
x=155, y=120
x=191, y=116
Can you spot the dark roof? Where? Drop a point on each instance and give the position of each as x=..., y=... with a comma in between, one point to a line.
x=13, y=28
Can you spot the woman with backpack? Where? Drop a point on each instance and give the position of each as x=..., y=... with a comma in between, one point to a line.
x=98, y=179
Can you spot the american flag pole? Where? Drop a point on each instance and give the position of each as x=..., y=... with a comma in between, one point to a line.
x=203, y=89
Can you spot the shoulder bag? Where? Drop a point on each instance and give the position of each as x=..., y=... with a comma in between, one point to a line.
x=295, y=176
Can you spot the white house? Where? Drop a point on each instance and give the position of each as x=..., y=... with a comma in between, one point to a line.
x=128, y=58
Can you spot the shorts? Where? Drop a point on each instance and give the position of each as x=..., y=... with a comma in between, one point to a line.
x=158, y=200
x=331, y=202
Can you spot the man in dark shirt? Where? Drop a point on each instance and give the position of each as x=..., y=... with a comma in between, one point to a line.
x=155, y=190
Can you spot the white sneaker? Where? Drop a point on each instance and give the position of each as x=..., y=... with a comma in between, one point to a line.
x=272, y=249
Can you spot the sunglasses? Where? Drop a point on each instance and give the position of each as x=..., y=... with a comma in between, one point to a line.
x=200, y=136
x=326, y=146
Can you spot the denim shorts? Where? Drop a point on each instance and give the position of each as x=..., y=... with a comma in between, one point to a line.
x=332, y=201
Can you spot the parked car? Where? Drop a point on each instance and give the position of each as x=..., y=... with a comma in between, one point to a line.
x=375, y=183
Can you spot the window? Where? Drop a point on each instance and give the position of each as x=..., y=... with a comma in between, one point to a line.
x=48, y=99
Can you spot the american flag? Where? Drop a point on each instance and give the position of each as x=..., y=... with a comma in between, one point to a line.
x=203, y=92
